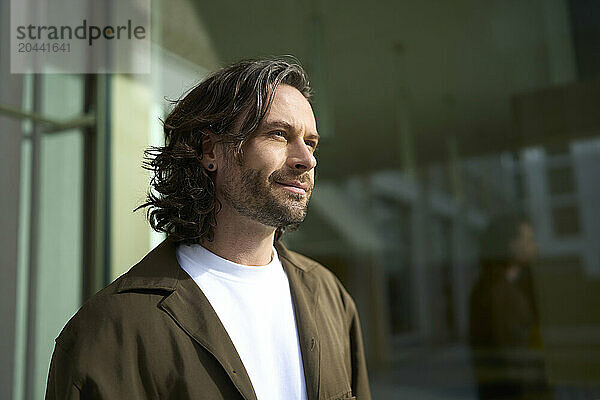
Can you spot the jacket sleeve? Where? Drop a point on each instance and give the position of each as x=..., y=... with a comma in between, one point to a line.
x=360, y=378
x=61, y=378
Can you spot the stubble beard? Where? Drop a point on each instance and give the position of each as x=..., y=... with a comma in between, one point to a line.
x=258, y=198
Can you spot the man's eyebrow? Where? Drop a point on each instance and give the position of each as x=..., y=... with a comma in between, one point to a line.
x=314, y=135
x=265, y=126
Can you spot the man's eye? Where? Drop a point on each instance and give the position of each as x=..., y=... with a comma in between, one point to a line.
x=311, y=144
x=278, y=133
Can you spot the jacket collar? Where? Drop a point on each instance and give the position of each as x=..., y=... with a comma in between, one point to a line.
x=190, y=308
x=160, y=270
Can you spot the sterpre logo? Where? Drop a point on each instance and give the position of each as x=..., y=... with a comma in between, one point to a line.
x=84, y=31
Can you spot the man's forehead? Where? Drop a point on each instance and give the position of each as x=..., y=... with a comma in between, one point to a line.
x=289, y=99
x=290, y=110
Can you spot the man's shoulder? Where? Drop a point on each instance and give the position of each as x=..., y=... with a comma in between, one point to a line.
x=311, y=266
x=120, y=306
x=102, y=308
x=329, y=283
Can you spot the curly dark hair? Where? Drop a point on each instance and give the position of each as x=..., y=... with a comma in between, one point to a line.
x=230, y=103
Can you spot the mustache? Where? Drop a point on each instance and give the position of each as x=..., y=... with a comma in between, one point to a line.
x=302, y=178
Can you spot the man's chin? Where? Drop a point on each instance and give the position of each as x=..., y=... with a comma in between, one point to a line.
x=291, y=215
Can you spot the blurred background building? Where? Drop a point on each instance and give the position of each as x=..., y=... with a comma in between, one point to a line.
x=435, y=117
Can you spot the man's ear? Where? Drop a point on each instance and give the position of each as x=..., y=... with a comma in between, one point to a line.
x=211, y=148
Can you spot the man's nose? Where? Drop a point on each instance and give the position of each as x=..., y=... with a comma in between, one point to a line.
x=301, y=157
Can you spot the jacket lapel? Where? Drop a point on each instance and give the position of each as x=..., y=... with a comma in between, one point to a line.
x=303, y=286
x=190, y=308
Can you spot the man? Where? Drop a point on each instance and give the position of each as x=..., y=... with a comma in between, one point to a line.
x=504, y=321
x=221, y=309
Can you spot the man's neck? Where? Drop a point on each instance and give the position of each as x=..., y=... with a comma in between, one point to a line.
x=241, y=240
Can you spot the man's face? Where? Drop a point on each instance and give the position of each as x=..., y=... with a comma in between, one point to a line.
x=524, y=246
x=273, y=181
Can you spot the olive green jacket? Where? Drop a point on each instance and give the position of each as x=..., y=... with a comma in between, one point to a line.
x=152, y=334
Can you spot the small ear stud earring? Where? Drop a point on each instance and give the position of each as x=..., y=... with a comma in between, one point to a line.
x=211, y=167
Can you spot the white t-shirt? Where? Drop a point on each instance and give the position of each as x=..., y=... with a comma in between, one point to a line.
x=254, y=304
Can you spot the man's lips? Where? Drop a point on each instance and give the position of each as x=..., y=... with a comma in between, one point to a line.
x=295, y=186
